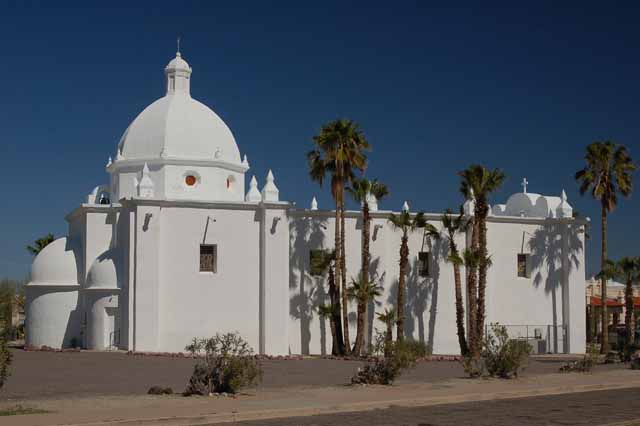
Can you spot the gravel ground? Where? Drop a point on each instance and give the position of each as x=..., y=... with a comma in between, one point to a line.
x=587, y=408
x=39, y=375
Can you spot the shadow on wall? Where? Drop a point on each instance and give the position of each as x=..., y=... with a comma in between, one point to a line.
x=421, y=293
x=546, y=248
x=308, y=292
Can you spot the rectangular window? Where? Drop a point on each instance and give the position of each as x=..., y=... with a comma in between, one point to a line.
x=523, y=269
x=424, y=260
x=316, y=262
x=209, y=258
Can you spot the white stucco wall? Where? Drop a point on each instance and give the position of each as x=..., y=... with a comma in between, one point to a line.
x=52, y=316
x=191, y=303
x=430, y=316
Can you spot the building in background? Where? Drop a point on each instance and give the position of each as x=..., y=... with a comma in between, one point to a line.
x=616, y=309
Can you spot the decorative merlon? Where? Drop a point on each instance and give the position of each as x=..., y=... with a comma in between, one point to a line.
x=253, y=195
x=270, y=191
x=145, y=187
x=314, y=204
x=405, y=207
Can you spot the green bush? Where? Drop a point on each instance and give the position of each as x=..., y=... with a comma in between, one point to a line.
x=226, y=365
x=390, y=359
x=500, y=357
x=5, y=328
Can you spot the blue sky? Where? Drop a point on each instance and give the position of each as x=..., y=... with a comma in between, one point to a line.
x=435, y=89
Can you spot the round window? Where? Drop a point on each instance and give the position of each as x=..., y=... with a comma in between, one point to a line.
x=190, y=180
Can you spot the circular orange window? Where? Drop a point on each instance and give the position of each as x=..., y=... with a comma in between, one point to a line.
x=190, y=180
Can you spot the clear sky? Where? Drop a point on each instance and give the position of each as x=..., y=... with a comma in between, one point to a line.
x=435, y=89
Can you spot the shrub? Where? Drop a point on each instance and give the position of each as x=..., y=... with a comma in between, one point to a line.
x=390, y=359
x=417, y=348
x=226, y=365
x=585, y=364
x=5, y=327
x=158, y=390
x=500, y=357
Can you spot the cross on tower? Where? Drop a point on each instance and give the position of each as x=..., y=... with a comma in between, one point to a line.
x=178, y=44
x=524, y=184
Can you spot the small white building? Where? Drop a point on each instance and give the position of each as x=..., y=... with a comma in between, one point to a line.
x=173, y=248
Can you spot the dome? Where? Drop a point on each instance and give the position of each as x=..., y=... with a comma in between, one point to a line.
x=178, y=63
x=55, y=264
x=103, y=273
x=177, y=126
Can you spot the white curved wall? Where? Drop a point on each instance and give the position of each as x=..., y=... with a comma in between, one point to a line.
x=52, y=317
x=103, y=319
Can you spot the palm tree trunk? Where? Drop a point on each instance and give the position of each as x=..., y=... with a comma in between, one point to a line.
x=337, y=277
x=628, y=314
x=404, y=258
x=462, y=340
x=482, y=269
x=388, y=338
x=334, y=320
x=472, y=294
x=343, y=271
x=604, y=348
x=364, y=277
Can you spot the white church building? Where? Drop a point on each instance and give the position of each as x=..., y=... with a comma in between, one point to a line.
x=176, y=247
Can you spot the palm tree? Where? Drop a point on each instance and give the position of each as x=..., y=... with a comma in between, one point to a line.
x=406, y=223
x=608, y=272
x=362, y=291
x=332, y=311
x=361, y=190
x=609, y=170
x=40, y=244
x=478, y=183
x=471, y=260
x=454, y=225
x=388, y=317
x=629, y=270
x=339, y=151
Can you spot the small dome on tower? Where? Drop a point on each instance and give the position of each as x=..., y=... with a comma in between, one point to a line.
x=178, y=63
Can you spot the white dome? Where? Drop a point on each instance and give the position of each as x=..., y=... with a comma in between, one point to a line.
x=178, y=63
x=103, y=273
x=55, y=264
x=178, y=127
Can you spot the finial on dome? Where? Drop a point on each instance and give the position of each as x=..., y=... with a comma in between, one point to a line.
x=270, y=191
x=253, y=195
x=178, y=51
x=405, y=207
x=314, y=204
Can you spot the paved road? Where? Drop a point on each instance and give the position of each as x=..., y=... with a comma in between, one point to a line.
x=588, y=408
x=38, y=375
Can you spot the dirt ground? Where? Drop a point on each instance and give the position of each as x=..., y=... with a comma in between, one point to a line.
x=39, y=375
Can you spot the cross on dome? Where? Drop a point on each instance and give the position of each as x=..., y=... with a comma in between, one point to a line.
x=524, y=184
